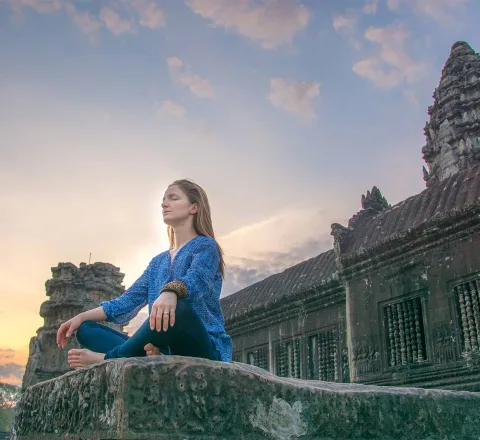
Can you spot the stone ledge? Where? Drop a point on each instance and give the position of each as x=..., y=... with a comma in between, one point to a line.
x=186, y=398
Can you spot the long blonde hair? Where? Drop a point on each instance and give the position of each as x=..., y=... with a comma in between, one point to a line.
x=202, y=220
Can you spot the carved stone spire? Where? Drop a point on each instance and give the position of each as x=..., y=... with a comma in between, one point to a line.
x=71, y=290
x=374, y=200
x=372, y=203
x=453, y=132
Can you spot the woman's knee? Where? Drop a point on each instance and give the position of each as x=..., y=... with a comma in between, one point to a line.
x=82, y=331
x=183, y=308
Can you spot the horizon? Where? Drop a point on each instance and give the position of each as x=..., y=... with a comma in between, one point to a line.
x=284, y=111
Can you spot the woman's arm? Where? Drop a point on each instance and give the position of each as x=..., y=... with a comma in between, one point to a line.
x=122, y=309
x=69, y=327
x=96, y=315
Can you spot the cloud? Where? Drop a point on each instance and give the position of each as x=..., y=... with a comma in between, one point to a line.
x=148, y=13
x=40, y=6
x=344, y=24
x=115, y=23
x=442, y=11
x=272, y=23
x=85, y=21
x=371, y=7
x=392, y=65
x=6, y=353
x=151, y=16
x=11, y=369
x=285, y=230
x=170, y=108
x=243, y=272
x=294, y=96
x=199, y=86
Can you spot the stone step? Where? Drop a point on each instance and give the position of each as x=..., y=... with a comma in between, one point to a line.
x=172, y=397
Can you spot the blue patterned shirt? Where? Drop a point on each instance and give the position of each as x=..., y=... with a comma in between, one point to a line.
x=197, y=264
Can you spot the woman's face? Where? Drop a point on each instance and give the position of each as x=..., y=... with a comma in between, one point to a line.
x=176, y=208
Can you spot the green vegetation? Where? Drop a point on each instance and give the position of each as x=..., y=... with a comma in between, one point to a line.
x=9, y=396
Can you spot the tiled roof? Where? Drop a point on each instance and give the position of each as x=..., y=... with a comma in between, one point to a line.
x=453, y=194
x=295, y=279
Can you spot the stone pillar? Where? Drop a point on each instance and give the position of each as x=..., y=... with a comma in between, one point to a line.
x=71, y=290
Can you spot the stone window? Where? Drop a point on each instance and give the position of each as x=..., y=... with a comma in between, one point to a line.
x=405, y=332
x=322, y=356
x=467, y=299
x=259, y=357
x=287, y=359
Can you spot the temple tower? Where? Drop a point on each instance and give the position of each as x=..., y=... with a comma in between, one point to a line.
x=453, y=132
x=72, y=290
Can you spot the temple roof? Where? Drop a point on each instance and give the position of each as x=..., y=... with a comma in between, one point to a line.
x=451, y=195
x=304, y=276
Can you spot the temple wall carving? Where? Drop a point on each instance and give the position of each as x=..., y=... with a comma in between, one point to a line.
x=309, y=346
x=423, y=312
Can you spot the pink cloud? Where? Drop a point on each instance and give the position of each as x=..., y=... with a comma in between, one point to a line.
x=393, y=64
x=294, y=96
x=200, y=87
x=115, y=23
x=442, y=11
x=270, y=22
x=40, y=6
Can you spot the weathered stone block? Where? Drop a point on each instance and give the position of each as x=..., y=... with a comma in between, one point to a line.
x=185, y=398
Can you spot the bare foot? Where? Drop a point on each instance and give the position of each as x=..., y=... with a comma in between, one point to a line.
x=79, y=358
x=152, y=350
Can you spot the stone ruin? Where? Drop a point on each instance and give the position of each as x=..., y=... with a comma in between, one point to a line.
x=396, y=302
x=181, y=398
x=453, y=132
x=71, y=290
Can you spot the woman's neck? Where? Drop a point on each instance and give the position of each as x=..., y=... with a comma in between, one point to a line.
x=183, y=235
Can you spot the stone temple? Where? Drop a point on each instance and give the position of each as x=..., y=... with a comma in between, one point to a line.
x=395, y=303
x=397, y=300
x=71, y=290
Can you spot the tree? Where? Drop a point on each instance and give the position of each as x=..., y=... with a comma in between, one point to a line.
x=9, y=396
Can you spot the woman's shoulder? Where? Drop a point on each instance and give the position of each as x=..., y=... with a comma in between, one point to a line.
x=203, y=241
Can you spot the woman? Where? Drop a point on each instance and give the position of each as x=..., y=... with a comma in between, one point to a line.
x=181, y=287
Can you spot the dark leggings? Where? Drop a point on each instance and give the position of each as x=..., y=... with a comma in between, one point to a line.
x=188, y=337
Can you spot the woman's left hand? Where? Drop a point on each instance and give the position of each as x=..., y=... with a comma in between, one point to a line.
x=163, y=311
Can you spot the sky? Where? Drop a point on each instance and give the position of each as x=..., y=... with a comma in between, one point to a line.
x=284, y=111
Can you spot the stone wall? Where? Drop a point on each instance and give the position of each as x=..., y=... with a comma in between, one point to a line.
x=414, y=317
x=179, y=398
x=306, y=341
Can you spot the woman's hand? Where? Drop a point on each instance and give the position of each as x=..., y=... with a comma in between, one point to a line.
x=163, y=311
x=66, y=330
